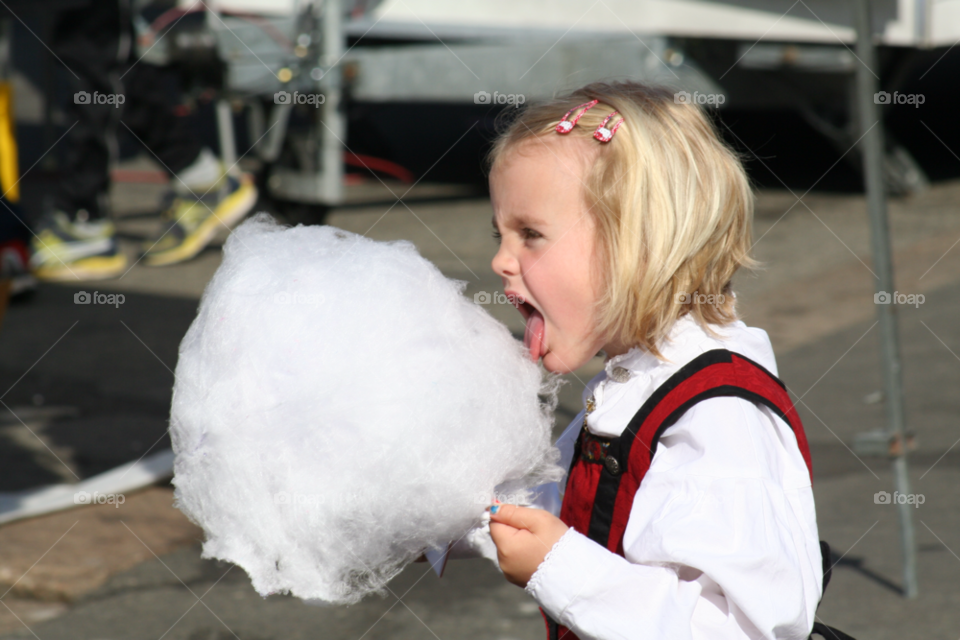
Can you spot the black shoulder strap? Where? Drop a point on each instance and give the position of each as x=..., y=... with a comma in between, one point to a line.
x=819, y=628
x=829, y=633
x=825, y=557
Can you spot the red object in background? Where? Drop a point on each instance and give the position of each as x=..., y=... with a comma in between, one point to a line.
x=378, y=164
x=14, y=258
x=141, y=177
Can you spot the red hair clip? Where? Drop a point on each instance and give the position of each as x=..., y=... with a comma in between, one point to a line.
x=606, y=135
x=566, y=126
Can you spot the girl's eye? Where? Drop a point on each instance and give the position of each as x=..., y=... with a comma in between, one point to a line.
x=530, y=234
x=497, y=235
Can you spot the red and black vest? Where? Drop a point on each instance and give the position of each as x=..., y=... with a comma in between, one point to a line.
x=606, y=472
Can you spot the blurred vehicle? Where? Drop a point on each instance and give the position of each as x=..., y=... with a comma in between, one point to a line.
x=312, y=77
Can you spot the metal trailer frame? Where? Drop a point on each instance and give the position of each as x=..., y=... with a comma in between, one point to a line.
x=492, y=61
x=482, y=72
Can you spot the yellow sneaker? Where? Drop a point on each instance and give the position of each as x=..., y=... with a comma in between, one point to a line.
x=193, y=222
x=67, y=251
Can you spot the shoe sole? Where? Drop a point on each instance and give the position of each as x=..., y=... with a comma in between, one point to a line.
x=236, y=207
x=94, y=268
x=70, y=252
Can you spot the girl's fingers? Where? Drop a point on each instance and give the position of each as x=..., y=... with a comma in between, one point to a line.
x=516, y=517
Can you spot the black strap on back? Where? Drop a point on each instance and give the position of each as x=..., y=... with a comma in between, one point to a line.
x=818, y=627
x=829, y=633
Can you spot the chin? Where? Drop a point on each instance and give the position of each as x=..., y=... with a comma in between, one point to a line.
x=560, y=365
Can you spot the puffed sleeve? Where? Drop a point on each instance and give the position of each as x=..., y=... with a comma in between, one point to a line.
x=721, y=540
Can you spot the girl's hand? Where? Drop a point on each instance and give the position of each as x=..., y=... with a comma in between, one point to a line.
x=523, y=538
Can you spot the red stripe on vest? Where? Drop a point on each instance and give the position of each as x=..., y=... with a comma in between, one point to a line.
x=582, y=482
x=740, y=373
x=597, y=502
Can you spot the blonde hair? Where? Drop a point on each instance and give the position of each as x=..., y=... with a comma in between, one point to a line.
x=671, y=203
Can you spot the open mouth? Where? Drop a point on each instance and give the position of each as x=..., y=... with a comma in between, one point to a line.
x=534, y=333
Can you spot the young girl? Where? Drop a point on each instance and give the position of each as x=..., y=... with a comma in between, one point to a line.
x=688, y=510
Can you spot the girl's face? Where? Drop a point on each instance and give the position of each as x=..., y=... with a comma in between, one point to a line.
x=547, y=256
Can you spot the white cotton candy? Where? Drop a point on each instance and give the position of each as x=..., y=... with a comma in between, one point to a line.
x=340, y=406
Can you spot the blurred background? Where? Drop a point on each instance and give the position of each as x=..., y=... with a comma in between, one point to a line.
x=134, y=134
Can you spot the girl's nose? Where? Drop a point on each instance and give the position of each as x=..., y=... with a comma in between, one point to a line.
x=504, y=264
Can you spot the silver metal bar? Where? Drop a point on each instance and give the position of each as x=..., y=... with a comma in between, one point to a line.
x=255, y=126
x=228, y=145
x=272, y=144
x=332, y=125
x=873, y=151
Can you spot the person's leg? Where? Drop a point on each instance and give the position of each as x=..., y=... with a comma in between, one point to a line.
x=168, y=131
x=154, y=114
x=77, y=240
x=205, y=198
x=90, y=40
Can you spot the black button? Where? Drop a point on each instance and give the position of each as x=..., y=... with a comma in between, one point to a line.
x=612, y=465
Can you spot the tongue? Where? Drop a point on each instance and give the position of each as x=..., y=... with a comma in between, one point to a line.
x=533, y=335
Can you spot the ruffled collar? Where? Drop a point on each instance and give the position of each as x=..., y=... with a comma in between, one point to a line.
x=680, y=345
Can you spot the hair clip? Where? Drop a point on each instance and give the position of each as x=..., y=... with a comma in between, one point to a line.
x=566, y=126
x=602, y=133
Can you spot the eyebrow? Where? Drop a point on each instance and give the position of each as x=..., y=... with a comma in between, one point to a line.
x=518, y=220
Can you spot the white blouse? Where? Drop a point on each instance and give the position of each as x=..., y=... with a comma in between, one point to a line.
x=722, y=538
